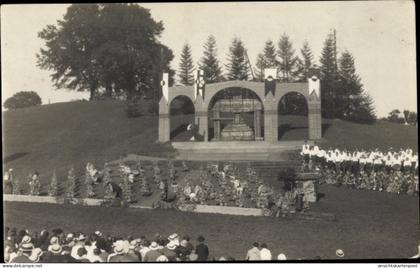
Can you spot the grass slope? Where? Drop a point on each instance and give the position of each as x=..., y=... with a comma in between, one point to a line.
x=369, y=225
x=59, y=136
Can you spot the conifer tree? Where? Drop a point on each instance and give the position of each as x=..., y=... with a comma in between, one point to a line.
x=53, y=190
x=266, y=59
x=237, y=67
x=71, y=184
x=329, y=76
x=352, y=103
x=186, y=66
x=209, y=62
x=287, y=59
x=305, y=63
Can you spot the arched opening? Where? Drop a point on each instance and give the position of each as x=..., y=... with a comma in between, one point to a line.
x=235, y=114
x=181, y=113
x=293, y=117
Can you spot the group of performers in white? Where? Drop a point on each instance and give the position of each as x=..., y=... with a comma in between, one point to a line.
x=391, y=171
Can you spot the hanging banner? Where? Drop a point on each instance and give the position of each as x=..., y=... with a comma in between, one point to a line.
x=199, y=83
x=165, y=86
x=314, y=86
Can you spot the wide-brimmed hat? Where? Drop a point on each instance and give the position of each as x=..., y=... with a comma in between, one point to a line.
x=173, y=236
x=56, y=248
x=154, y=245
x=26, y=239
x=171, y=246
x=27, y=247
x=281, y=257
x=98, y=233
x=339, y=253
x=119, y=247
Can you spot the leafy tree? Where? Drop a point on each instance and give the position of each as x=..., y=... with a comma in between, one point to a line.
x=395, y=116
x=209, y=62
x=406, y=115
x=266, y=59
x=351, y=102
x=186, y=66
x=237, y=67
x=412, y=118
x=305, y=64
x=71, y=49
x=22, y=99
x=287, y=57
x=111, y=46
x=329, y=76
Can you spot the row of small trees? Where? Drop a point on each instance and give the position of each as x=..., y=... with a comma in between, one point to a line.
x=405, y=117
x=342, y=94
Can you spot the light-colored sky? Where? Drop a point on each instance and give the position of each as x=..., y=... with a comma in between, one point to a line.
x=380, y=35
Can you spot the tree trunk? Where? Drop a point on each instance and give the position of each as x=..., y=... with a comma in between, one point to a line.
x=108, y=91
x=92, y=93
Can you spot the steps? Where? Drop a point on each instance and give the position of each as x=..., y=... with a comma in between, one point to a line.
x=237, y=150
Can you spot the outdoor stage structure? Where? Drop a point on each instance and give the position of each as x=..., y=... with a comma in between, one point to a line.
x=263, y=107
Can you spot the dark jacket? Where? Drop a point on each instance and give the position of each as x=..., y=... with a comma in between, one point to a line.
x=151, y=255
x=202, y=251
x=55, y=258
x=21, y=259
x=182, y=253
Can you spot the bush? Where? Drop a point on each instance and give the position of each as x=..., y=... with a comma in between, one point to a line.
x=22, y=99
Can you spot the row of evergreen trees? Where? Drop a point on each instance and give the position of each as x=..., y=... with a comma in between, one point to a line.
x=342, y=92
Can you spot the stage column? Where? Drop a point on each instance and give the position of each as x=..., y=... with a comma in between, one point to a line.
x=216, y=124
x=257, y=124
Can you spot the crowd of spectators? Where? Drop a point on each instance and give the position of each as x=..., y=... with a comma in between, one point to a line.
x=57, y=246
x=60, y=247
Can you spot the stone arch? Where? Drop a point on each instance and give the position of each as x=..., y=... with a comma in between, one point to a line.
x=293, y=122
x=181, y=113
x=253, y=118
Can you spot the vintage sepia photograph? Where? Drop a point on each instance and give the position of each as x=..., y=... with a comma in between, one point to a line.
x=210, y=132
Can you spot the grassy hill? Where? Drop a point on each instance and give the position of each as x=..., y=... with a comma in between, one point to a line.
x=62, y=135
x=58, y=136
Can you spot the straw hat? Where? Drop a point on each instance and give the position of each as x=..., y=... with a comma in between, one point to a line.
x=154, y=245
x=120, y=247
x=26, y=239
x=339, y=253
x=56, y=248
x=27, y=247
x=171, y=246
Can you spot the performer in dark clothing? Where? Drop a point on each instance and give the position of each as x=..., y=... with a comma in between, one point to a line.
x=202, y=250
x=116, y=189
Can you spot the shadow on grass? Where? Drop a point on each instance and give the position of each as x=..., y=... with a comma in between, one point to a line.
x=284, y=128
x=320, y=196
x=325, y=127
x=181, y=128
x=14, y=157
